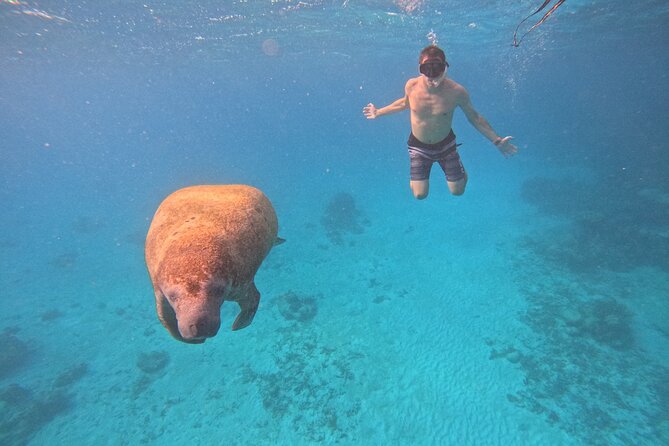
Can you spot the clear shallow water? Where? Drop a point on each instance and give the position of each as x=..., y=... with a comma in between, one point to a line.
x=532, y=310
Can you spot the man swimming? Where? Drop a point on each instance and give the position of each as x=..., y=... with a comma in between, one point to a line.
x=432, y=99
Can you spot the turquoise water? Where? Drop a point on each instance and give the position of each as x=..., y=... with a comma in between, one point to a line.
x=532, y=310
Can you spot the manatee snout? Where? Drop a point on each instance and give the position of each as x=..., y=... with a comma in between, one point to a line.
x=196, y=326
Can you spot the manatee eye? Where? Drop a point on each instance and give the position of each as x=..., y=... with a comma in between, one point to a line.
x=216, y=289
x=171, y=296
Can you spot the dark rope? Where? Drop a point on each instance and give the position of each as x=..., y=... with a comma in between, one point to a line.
x=543, y=19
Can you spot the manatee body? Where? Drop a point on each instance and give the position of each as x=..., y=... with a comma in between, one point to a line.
x=203, y=247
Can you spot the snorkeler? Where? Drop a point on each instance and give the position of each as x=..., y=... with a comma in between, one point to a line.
x=432, y=99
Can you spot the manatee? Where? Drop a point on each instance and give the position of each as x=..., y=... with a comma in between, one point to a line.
x=204, y=246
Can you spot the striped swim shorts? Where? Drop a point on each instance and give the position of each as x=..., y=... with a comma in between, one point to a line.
x=423, y=155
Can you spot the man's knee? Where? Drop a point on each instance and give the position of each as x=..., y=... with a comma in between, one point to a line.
x=420, y=188
x=456, y=190
x=458, y=187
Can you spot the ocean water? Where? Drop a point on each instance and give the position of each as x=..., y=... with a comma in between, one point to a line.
x=532, y=310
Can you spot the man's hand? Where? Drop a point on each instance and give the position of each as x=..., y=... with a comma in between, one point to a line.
x=504, y=145
x=369, y=111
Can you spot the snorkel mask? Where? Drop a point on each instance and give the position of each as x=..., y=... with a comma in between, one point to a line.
x=433, y=68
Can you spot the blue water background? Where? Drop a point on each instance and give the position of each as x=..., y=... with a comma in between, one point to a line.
x=531, y=310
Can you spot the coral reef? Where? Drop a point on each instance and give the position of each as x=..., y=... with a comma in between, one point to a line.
x=561, y=197
x=614, y=231
x=590, y=246
x=582, y=368
x=51, y=315
x=153, y=362
x=294, y=307
x=607, y=322
x=71, y=375
x=311, y=387
x=66, y=260
x=153, y=365
x=14, y=353
x=87, y=225
x=22, y=414
x=342, y=217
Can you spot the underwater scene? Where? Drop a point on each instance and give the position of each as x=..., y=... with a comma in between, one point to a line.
x=332, y=299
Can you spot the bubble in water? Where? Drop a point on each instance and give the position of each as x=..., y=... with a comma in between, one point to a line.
x=270, y=47
x=432, y=37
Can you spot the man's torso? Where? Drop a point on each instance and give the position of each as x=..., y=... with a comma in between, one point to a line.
x=432, y=109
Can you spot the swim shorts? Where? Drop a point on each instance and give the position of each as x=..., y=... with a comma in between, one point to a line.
x=423, y=155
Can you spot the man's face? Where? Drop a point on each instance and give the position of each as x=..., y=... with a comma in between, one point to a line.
x=433, y=70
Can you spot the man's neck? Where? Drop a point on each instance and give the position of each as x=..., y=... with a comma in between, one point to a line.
x=434, y=85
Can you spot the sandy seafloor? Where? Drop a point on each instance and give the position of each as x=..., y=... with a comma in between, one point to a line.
x=432, y=325
x=530, y=311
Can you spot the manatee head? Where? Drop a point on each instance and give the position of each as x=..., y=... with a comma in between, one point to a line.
x=191, y=308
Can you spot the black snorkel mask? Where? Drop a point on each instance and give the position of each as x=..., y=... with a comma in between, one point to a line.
x=433, y=68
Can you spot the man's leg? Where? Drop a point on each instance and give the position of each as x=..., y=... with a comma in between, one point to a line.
x=420, y=188
x=457, y=187
x=456, y=176
x=420, y=175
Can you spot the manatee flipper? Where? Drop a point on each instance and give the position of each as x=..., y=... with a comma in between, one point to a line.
x=166, y=314
x=249, y=306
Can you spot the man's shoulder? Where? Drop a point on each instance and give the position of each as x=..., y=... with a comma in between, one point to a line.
x=452, y=85
x=457, y=91
x=412, y=82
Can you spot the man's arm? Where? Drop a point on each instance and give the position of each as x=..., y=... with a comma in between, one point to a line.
x=481, y=124
x=371, y=112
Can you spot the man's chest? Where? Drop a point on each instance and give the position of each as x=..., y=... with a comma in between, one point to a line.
x=425, y=104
